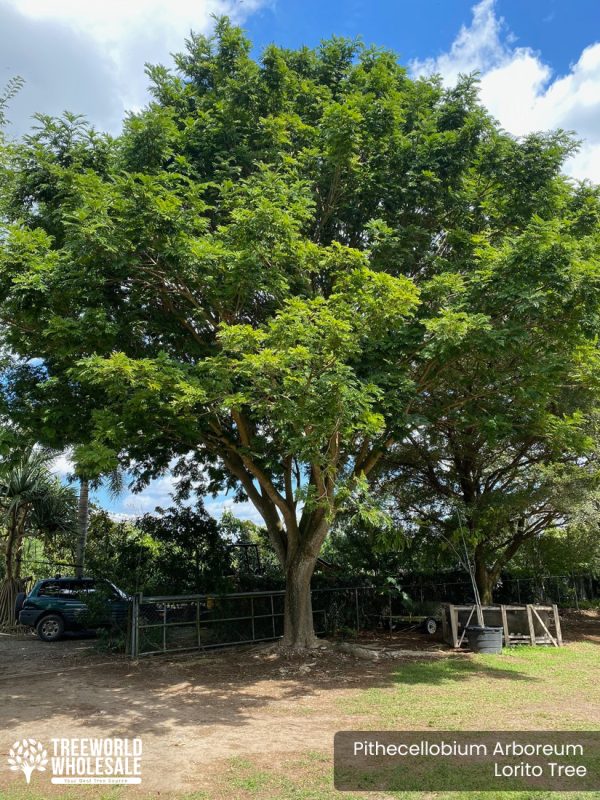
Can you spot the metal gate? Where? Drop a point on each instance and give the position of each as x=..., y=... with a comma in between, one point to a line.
x=171, y=623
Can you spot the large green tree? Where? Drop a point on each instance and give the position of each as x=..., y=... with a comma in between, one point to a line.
x=276, y=270
x=55, y=413
x=459, y=491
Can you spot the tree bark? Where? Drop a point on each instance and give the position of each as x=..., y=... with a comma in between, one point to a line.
x=485, y=578
x=9, y=564
x=10, y=586
x=19, y=555
x=12, y=543
x=299, y=632
x=83, y=516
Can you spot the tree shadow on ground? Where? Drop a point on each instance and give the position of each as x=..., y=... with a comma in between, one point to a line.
x=204, y=708
x=202, y=690
x=582, y=626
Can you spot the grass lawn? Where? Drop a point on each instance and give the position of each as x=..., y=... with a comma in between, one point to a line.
x=524, y=688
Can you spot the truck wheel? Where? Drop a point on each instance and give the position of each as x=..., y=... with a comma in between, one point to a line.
x=50, y=628
x=20, y=599
x=430, y=626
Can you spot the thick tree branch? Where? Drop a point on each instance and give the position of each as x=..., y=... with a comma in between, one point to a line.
x=268, y=489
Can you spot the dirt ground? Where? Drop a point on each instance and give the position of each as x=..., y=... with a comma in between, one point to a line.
x=195, y=712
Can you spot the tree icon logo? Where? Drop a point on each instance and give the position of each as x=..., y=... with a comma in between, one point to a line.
x=27, y=756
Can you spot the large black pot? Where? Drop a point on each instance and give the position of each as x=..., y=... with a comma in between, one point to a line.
x=484, y=640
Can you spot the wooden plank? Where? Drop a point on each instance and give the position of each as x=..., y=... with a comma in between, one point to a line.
x=465, y=628
x=542, y=623
x=451, y=633
x=557, y=625
x=453, y=624
x=531, y=628
x=508, y=607
x=505, y=626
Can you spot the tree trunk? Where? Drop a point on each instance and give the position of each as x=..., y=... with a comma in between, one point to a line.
x=486, y=593
x=8, y=557
x=11, y=542
x=10, y=586
x=19, y=556
x=299, y=632
x=83, y=516
x=485, y=578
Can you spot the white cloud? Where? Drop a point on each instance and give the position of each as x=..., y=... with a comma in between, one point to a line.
x=157, y=493
x=477, y=47
x=88, y=57
x=244, y=510
x=63, y=465
x=119, y=516
x=521, y=90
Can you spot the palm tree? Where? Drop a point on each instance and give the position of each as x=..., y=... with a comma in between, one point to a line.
x=115, y=483
x=83, y=520
x=32, y=500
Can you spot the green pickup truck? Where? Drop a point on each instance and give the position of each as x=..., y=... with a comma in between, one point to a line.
x=56, y=605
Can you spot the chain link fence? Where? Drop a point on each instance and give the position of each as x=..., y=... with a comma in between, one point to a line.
x=171, y=623
x=561, y=589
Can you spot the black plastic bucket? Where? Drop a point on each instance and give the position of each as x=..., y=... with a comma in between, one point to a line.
x=484, y=640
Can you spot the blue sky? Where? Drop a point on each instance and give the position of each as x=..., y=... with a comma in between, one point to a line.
x=539, y=62
x=420, y=28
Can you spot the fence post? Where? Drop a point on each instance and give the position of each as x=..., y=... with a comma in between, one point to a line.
x=557, y=624
x=357, y=611
x=531, y=625
x=134, y=645
x=273, y=616
x=453, y=624
x=505, y=626
x=198, y=622
x=131, y=623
